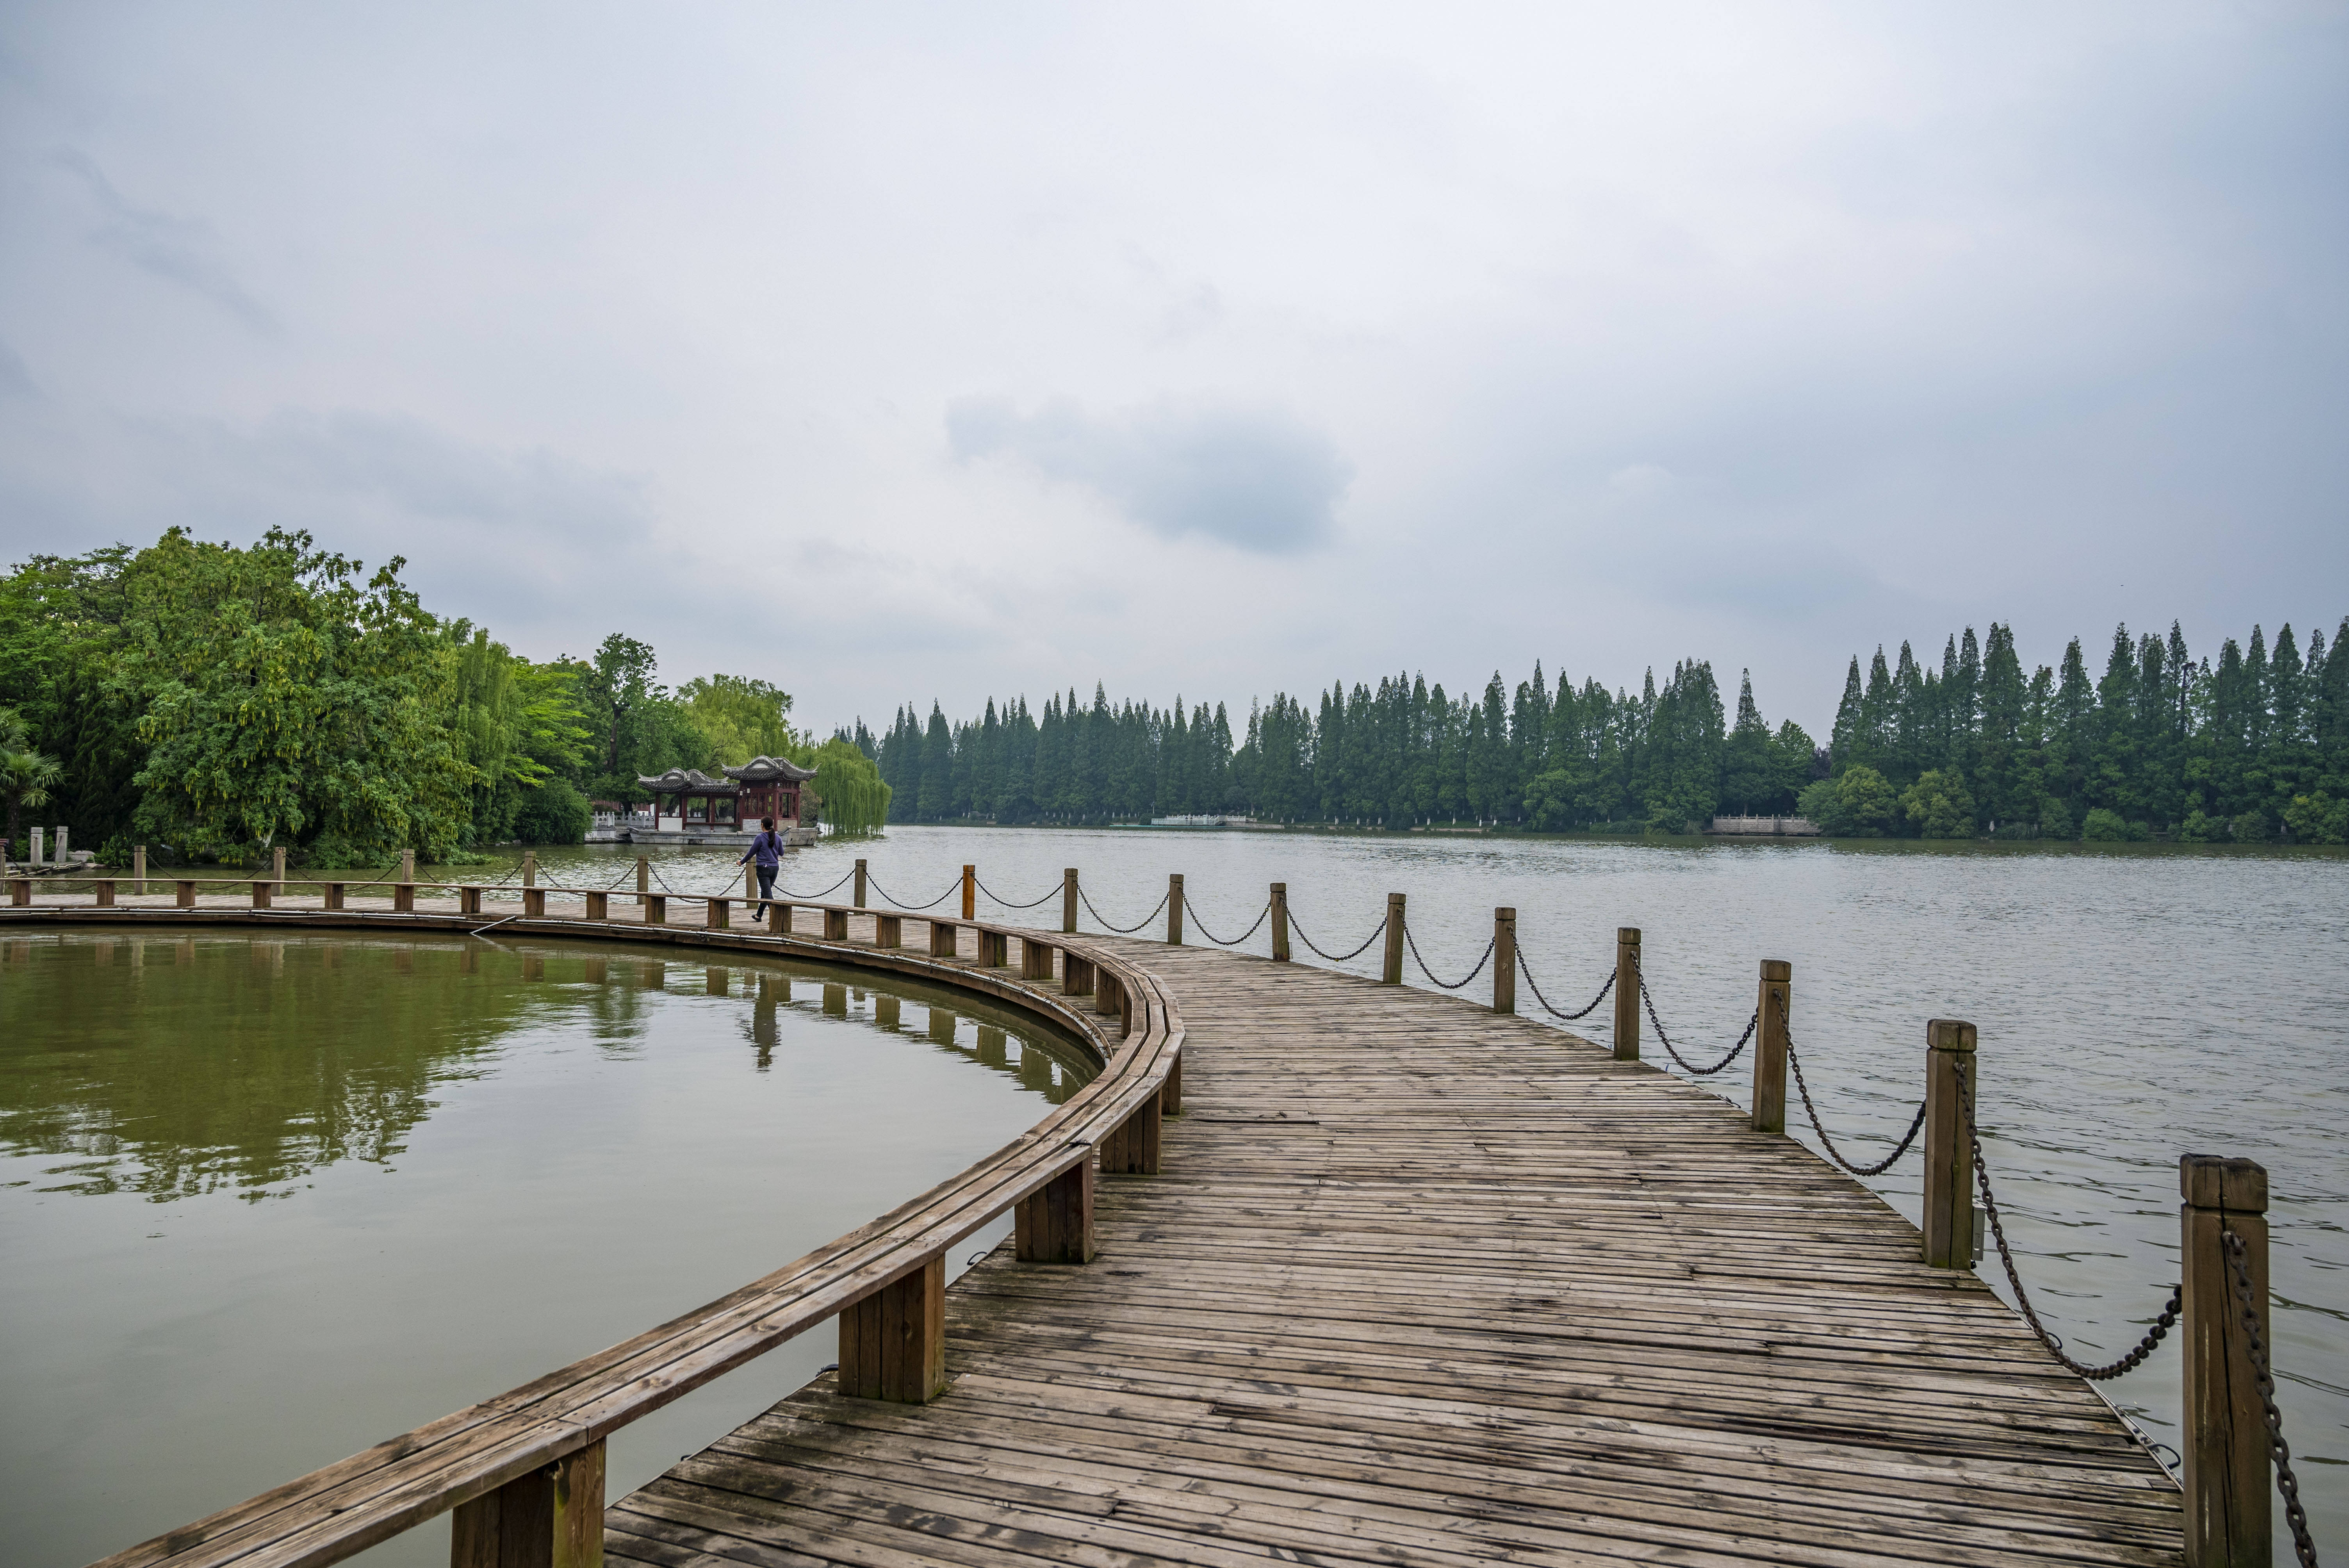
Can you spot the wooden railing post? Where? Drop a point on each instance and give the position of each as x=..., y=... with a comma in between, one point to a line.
x=403, y=897
x=2229, y=1504
x=1505, y=960
x=330, y=896
x=260, y=893
x=533, y=904
x=1069, y=901
x=599, y=906
x=1391, y=971
x=1174, y=910
x=888, y=931
x=1775, y=1002
x=860, y=884
x=1055, y=1225
x=750, y=882
x=1280, y=923
x=20, y=893
x=529, y=869
x=551, y=1517
x=139, y=869
x=970, y=892
x=1627, y=993
x=1949, y=1153
x=893, y=1343
x=186, y=890
x=277, y=868
x=778, y=918
x=644, y=873
x=835, y=925
x=105, y=886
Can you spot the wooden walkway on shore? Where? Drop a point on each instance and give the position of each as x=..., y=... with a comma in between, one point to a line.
x=1421, y=1284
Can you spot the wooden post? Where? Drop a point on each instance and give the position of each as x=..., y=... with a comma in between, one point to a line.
x=20, y=893
x=943, y=935
x=970, y=892
x=529, y=869
x=860, y=884
x=277, y=867
x=1627, y=993
x=330, y=896
x=655, y=907
x=1069, y=901
x=2230, y=1509
x=994, y=949
x=599, y=906
x=187, y=891
x=1035, y=960
x=893, y=1343
x=1949, y=1153
x=1076, y=975
x=888, y=931
x=407, y=866
x=1391, y=971
x=1776, y=1001
x=779, y=919
x=1174, y=910
x=1280, y=923
x=533, y=904
x=1131, y=1148
x=1055, y=1223
x=750, y=882
x=835, y=925
x=1505, y=960
x=403, y=898
x=551, y=1517
x=469, y=897
x=1108, y=993
x=105, y=886
x=644, y=873
x=139, y=869
x=260, y=893
x=720, y=914
x=1170, y=1093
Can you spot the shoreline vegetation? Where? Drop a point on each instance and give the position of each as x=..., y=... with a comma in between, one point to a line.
x=213, y=702
x=2251, y=749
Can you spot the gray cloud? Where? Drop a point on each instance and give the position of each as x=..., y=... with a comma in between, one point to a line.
x=181, y=251
x=15, y=380
x=1257, y=478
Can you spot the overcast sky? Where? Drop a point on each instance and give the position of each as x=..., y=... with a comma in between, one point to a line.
x=896, y=352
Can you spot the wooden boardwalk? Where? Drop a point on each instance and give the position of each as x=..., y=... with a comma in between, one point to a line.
x=1420, y=1283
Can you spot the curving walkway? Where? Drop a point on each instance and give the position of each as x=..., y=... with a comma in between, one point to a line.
x=1424, y=1284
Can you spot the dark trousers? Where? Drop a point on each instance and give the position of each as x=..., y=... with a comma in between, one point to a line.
x=767, y=882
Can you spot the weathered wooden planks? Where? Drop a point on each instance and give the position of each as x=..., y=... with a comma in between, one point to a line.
x=1420, y=1282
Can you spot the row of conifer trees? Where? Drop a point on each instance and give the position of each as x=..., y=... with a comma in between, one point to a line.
x=2250, y=745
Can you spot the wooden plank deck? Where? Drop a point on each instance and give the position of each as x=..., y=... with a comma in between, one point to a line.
x=1424, y=1284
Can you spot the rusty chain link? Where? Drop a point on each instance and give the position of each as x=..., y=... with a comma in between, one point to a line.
x=1125, y=929
x=1201, y=926
x=1446, y=984
x=1365, y=947
x=1670, y=1049
x=1795, y=1061
x=1553, y=1012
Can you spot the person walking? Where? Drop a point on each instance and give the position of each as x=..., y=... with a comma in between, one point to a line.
x=767, y=849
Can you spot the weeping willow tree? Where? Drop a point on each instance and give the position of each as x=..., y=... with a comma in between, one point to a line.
x=848, y=786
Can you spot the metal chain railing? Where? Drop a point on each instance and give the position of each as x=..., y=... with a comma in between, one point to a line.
x=1377, y=933
x=1125, y=929
x=2304, y=1545
x=1007, y=903
x=1916, y=1125
x=1671, y=1050
x=1553, y=1012
x=1201, y=926
x=1412, y=943
x=2129, y=1363
x=914, y=908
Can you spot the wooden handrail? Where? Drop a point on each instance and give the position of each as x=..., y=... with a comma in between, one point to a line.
x=370, y=1497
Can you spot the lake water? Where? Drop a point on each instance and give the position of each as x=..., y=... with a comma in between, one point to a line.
x=266, y=1203
x=2135, y=1002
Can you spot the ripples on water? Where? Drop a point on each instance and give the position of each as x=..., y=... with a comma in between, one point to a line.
x=2134, y=1004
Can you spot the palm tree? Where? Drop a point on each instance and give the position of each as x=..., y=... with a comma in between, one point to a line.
x=25, y=774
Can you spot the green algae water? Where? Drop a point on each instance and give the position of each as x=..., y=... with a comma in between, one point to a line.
x=265, y=1200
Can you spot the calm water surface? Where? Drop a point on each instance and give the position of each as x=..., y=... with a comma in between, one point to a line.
x=2134, y=1004
x=265, y=1202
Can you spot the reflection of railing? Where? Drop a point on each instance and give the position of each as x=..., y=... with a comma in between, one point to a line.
x=536, y=1452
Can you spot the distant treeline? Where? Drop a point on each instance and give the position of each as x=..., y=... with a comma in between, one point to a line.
x=214, y=701
x=2253, y=748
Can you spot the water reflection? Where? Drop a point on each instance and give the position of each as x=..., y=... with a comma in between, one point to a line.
x=261, y=1061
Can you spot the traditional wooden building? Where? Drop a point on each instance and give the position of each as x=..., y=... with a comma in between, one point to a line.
x=687, y=799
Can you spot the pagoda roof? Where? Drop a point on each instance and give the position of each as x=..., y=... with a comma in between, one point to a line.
x=690, y=780
x=770, y=770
